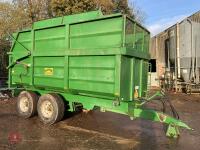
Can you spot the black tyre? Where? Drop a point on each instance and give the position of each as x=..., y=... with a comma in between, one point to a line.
x=27, y=104
x=50, y=108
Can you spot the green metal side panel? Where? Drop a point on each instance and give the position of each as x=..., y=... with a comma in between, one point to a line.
x=146, y=42
x=21, y=74
x=144, y=77
x=93, y=74
x=137, y=75
x=105, y=33
x=87, y=74
x=50, y=39
x=130, y=33
x=49, y=72
x=25, y=39
x=126, y=78
x=139, y=37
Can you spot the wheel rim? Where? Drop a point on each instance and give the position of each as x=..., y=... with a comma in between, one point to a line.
x=47, y=109
x=24, y=104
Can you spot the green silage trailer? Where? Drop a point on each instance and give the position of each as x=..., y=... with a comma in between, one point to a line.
x=85, y=60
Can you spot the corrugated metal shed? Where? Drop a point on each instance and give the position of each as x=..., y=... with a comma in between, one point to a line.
x=195, y=17
x=178, y=49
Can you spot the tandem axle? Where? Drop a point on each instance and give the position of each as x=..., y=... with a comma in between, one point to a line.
x=51, y=106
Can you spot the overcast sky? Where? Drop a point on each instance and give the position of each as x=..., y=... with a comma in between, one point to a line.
x=164, y=13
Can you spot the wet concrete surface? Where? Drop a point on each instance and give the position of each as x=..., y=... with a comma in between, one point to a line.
x=100, y=131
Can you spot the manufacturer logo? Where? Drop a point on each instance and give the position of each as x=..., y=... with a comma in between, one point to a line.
x=48, y=71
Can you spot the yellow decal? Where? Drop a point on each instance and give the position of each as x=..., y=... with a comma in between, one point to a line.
x=48, y=71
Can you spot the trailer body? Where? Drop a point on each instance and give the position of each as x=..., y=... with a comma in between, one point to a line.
x=100, y=56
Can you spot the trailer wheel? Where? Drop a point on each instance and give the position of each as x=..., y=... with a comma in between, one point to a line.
x=50, y=108
x=27, y=104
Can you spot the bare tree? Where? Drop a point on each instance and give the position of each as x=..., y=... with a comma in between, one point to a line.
x=35, y=9
x=12, y=18
x=22, y=13
x=137, y=13
x=67, y=7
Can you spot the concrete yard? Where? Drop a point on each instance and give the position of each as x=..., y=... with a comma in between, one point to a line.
x=99, y=131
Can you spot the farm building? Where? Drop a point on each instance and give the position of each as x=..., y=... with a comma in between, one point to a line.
x=175, y=53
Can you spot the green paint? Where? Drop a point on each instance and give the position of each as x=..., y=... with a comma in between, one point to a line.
x=87, y=58
x=172, y=131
